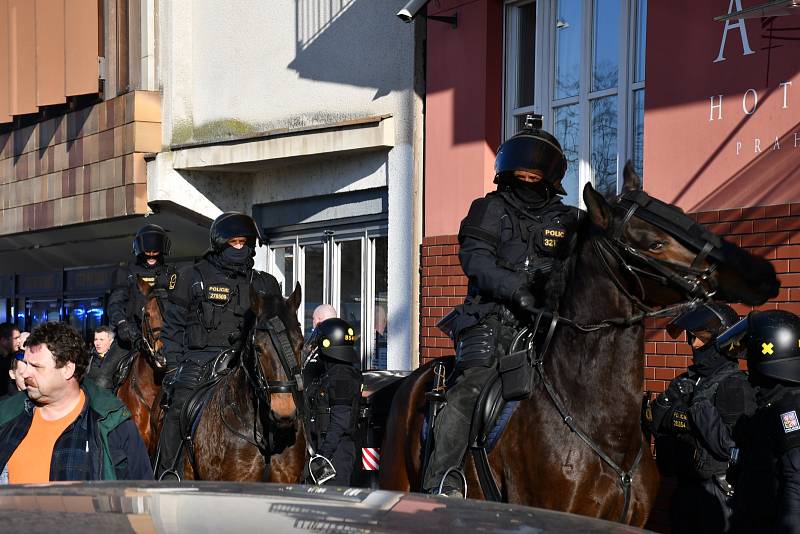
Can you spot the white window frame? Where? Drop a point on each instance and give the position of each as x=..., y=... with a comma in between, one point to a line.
x=544, y=77
x=331, y=289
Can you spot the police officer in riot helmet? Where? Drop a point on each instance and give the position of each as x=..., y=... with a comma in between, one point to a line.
x=767, y=497
x=333, y=394
x=513, y=243
x=150, y=247
x=203, y=317
x=695, y=419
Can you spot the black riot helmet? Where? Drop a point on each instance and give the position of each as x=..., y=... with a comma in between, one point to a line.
x=336, y=339
x=711, y=317
x=772, y=343
x=233, y=224
x=529, y=150
x=151, y=238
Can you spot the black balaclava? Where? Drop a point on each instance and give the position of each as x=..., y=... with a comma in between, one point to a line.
x=531, y=194
x=237, y=255
x=707, y=359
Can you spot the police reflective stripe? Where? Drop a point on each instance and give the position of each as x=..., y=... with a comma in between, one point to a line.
x=370, y=459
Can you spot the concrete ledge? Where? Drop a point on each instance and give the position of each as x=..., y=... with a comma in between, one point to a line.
x=261, y=151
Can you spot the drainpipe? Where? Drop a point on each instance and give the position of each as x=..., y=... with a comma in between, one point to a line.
x=418, y=185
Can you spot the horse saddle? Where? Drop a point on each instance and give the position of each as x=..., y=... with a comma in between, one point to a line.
x=491, y=415
x=210, y=375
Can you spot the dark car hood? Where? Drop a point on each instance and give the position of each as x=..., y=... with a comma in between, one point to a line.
x=62, y=508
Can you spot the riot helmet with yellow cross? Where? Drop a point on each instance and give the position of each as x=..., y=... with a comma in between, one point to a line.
x=336, y=339
x=772, y=344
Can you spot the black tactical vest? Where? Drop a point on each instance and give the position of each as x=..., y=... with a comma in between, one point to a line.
x=339, y=384
x=219, y=302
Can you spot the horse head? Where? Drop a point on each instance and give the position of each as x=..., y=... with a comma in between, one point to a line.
x=152, y=323
x=276, y=340
x=665, y=257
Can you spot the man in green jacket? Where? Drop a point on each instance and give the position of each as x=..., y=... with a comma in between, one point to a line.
x=62, y=427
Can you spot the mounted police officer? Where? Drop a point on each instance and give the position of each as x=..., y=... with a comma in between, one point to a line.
x=767, y=495
x=203, y=318
x=513, y=244
x=334, y=380
x=150, y=246
x=694, y=422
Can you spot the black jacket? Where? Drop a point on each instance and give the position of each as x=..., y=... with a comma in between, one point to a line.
x=767, y=495
x=102, y=370
x=126, y=301
x=203, y=314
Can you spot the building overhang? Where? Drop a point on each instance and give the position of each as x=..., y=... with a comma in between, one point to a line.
x=276, y=147
x=775, y=8
x=99, y=243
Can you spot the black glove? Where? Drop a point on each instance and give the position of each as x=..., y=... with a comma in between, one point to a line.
x=128, y=333
x=321, y=469
x=524, y=301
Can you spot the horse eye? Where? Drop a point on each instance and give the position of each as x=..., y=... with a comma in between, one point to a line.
x=655, y=246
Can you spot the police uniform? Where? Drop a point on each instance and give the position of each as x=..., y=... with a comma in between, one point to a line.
x=203, y=317
x=333, y=394
x=126, y=302
x=767, y=497
x=513, y=243
x=695, y=422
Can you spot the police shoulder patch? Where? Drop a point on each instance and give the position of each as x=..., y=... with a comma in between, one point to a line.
x=789, y=421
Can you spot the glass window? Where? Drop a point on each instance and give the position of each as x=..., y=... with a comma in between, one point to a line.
x=350, y=297
x=283, y=268
x=595, y=105
x=604, y=145
x=526, y=23
x=379, y=360
x=568, y=48
x=4, y=305
x=314, y=277
x=605, y=49
x=567, y=131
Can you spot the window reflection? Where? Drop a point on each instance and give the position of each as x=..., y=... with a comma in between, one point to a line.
x=567, y=131
x=641, y=39
x=527, y=53
x=638, y=132
x=284, y=268
x=379, y=360
x=314, y=277
x=604, y=145
x=568, y=48
x=350, y=285
x=605, y=52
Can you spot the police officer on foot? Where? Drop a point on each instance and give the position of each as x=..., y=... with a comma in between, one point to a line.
x=334, y=393
x=203, y=317
x=150, y=246
x=767, y=495
x=694, y=422
x=513, y=243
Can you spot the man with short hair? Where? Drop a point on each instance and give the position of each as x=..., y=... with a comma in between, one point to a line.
x=64, y=429
x=322, y=313
x=9, y=345
x=105, y=360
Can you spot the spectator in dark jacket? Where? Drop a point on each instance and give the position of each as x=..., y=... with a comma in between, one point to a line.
x=105, y=359
x=10, y=343
x=62, y=429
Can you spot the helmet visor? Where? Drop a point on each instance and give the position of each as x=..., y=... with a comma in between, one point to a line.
x=528, y=153
x=152, y=242
x=700, y=319
x=238, y=225
x=729, y=340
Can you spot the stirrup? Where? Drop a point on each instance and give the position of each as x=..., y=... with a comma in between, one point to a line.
x=172, y=472
x=457, y=471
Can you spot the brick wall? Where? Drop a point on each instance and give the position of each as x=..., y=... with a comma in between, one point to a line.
x=772, y=232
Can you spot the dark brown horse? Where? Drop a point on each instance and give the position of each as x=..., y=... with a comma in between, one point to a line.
x=143, y=383
x=250, y=429
x=596, y=372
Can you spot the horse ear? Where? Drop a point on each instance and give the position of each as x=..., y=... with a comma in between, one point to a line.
x=630, y=180
x=295, y=298
x=256, y=301
x=597, y=206
x=144, y=287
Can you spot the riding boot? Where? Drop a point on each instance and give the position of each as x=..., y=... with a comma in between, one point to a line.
x=170, y=455
x=452, y=429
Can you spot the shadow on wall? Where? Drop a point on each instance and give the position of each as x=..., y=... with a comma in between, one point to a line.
x=770, y=178
x=351, y=42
